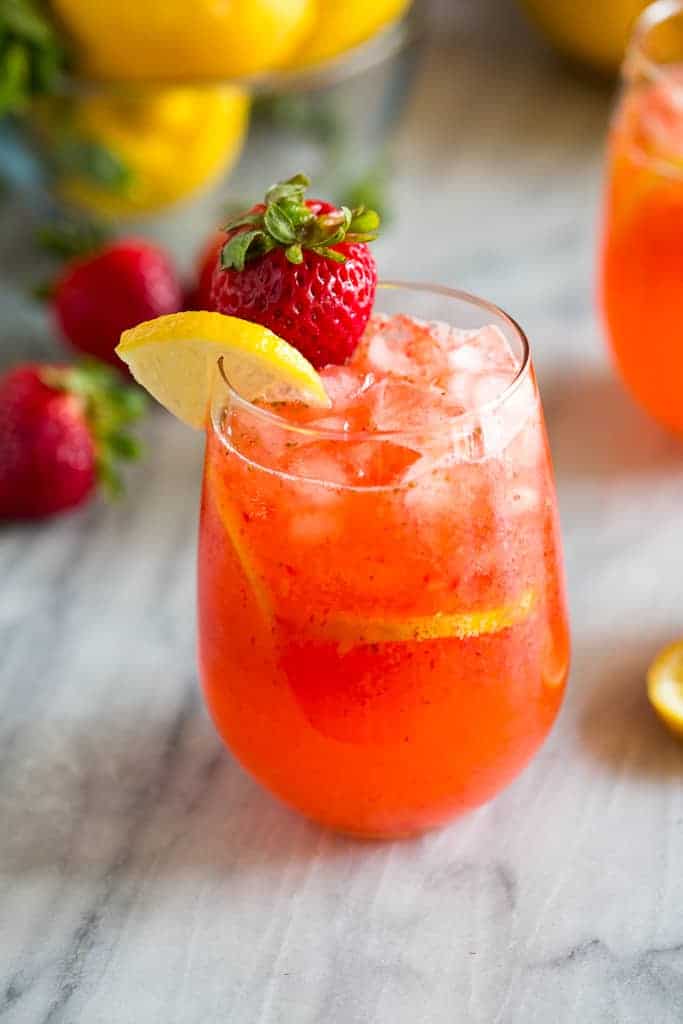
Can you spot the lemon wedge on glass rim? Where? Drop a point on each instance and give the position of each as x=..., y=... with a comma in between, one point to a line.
x=665, y=686
x=175, y=358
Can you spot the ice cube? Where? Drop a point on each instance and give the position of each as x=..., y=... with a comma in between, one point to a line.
x=338, y=424
x=310, y=461
x=483, y=350
x=468, y=358
x=431, y=489
x=342, y=384
x=314, y=527
x=378, y=463
x=486, y=387
x=395, y=404
x=384, y=354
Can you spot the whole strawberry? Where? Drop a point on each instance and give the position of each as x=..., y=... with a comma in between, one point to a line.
x=303, y=269
x=61, y=431
x=101, y=294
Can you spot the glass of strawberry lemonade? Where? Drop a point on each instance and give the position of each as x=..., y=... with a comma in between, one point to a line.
x=382, y=627
x=641, y=258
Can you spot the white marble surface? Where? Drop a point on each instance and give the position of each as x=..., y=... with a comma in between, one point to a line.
x=144, y=878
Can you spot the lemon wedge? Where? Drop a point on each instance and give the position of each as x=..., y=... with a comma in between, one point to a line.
x=350, y=631
x=231, y=520
x=665, y=686
x=175, y=358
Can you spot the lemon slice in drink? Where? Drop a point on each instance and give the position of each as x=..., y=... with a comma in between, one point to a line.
x=665, y=686
x=349, y=631
x=175, y=358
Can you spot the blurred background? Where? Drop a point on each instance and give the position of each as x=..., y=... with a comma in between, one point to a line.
x=449, y=116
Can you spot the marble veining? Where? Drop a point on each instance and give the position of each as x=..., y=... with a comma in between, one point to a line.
x=144, y=878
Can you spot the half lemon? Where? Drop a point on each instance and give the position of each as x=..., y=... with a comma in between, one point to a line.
x=665, y=686
x=175, y=358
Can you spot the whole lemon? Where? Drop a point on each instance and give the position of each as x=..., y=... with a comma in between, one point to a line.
x=595, y=33
x=168, y=142
x=342, y=24
x=183, y=39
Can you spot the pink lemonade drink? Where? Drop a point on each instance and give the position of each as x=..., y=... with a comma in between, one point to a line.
x=382, y=625
x=641, y=260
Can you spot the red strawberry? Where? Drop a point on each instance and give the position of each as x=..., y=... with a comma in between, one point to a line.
x=303, y=269
x=98, y=296
x=61, y=429
x=200, y=295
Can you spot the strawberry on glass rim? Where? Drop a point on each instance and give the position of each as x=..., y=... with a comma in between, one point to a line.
x=302, y=268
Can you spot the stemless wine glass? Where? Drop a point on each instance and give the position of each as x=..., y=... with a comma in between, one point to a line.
x=385, y=653
x=642, y=244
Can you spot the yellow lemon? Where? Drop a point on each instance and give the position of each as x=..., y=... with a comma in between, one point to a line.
x=595, y=32
x=183, y=39
x=342, y=24
x=175, y=358
x=665, y=686
x=167, y=142
x=350, y=630
x=234, y=527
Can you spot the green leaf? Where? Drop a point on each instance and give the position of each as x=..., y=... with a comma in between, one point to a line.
x=294, y=253
x=88, y=158
x=21, y=18
x=330, y=223
x=132, y=404
x=288, y=222
x=330, y=254
x=43, y=291
x=31, y=55
x=15, y=76
x=68, y=239
x=371, y=190
x=297, y=211
x=111, y=405
x=235, y=253
x=364, y=222
x=47, y=68
x=109, y=479
x=244, y=220
x=294, y=188
x=279, y=225
x=125, y=446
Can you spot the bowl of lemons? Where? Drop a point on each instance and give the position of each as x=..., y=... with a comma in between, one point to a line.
x=141, y=113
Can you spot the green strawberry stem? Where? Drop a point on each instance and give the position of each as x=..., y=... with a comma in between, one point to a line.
x=287, y=222
x=69, y=239
x=110, y=407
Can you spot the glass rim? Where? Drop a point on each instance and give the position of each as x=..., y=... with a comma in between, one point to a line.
x=637, y=59
x=385, y=44
x=469, y=417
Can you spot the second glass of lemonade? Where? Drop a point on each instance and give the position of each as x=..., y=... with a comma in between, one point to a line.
x=382, y=626
x=642, y=243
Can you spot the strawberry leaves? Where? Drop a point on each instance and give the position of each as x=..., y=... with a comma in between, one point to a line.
x=286, y=221
x=32, y=59
x=110, y=408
